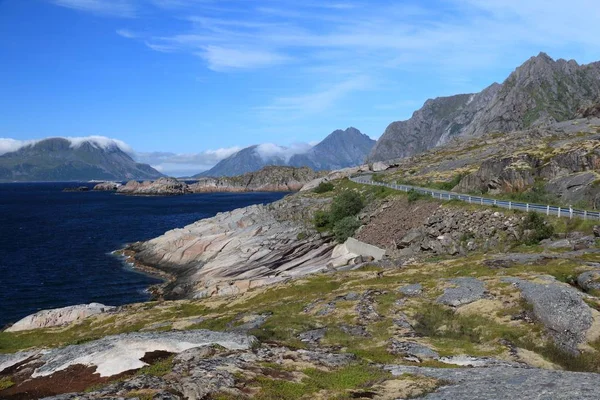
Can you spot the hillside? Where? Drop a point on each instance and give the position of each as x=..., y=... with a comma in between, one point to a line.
x=338, y=150
x=460, y=307
x=540, y=92
x=58, y=159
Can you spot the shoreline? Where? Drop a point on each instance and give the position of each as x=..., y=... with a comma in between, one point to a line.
x=156, y=291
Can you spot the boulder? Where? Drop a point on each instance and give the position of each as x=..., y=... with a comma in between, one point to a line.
x=466, y=290
x=589, y=281
x=58, y=316
x=411, y=290
x=560, y=309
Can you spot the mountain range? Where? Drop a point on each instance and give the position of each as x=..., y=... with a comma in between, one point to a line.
x=340, y=149
x=540, y=92
x=60, y=159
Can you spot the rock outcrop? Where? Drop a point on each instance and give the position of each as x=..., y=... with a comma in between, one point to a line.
x=159, y=187
x=268, y=179
x=560, y=309
x=242, y=249
x=107, y=186
x=58, y=316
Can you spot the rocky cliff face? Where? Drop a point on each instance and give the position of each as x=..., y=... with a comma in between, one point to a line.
x=540, y=92
x=58, y=159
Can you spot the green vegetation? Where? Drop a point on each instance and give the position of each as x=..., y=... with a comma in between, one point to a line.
x=346, y=204
x=535, y=228
x=324, y=187
x=413, y=196
x=334, y=382
x=536, y=194
x=345, y=228
x=341, y=217
x=5, y=383
x=159, y=368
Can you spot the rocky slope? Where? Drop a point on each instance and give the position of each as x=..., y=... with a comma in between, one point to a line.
x=59, y=159
x=340, y=149
x=539, y=92
x=557, y=164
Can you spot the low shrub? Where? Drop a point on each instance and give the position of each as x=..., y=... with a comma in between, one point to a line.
x=341, y=216
x=413, y=196
x=324, y=187
x=345, y=228
x=535, y=228
x=346, y=204
x=321, y=220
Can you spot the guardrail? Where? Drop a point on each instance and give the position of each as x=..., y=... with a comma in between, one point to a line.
x=560, y=212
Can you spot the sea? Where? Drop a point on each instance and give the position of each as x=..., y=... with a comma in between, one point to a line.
x=55, y=246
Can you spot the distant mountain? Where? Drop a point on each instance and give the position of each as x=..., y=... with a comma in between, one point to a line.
x=539, y=92
x=341, y=149
x=242, y=162
x=338, y=150
x=58, y=159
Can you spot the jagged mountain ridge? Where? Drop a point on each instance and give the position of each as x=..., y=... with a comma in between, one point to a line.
x=340, y=149
x=57, y=159
x=539, y=92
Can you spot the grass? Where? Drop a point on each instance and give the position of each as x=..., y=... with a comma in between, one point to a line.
x=159, y=368
x=6, y=383
x=336, y=382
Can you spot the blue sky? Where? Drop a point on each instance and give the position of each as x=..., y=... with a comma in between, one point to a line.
x=201, y=78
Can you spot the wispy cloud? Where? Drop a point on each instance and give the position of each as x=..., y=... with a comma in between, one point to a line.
x=222, y=59
x=115, y=8
x=126, y=33
x=318, y=101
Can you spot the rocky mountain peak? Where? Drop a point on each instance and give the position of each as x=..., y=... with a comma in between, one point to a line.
x=541, y=91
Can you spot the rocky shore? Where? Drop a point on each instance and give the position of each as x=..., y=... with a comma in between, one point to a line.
x=268, y=179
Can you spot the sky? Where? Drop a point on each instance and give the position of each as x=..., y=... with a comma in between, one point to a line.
x=187, y=82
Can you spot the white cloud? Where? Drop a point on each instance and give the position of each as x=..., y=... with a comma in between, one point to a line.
x=114, y=8
x=8, y=145
x=100, y=142
x=185, y=164
x=269, y=151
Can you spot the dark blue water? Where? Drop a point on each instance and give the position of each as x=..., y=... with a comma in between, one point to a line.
x=55, y=246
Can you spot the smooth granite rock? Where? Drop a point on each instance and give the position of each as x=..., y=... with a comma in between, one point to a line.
x=560, y=309
x=58, y=316
x=506, y=383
